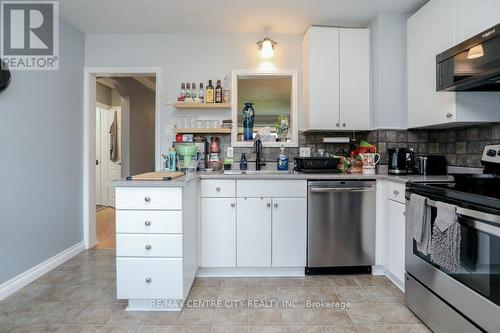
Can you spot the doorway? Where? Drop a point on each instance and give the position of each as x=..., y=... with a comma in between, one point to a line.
x=122, y=139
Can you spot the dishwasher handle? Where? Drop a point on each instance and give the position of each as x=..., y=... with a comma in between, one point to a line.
x=341, y=189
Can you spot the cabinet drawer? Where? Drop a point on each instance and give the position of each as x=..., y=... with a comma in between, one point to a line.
x=148, y=198
x=395, y=191
x=272, y=188
x=143, y=245
x=218, y=188
x=154, y=278
x=149, y=222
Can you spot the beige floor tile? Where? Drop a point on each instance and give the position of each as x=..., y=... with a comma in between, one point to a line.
x=262, y=293
x=303, y=329
x=323, y=293
x=297, y=294
x=207, y=282
x=397, y=314
x=382, y=294
x=59, y=312
x=265, y=317
x=229, y=329
x=86, y=293
x=332, y=316
x=204, y=293
x=27, y=313
x=316, y=281
x=261, y=282
x=234, y=282
x=156, y=329
x=196, y=317
x=161, y=318
x=351, y=294
x=29, y=293
x=120, y=329
x=233, y=293
x=365, y=313
x=339, y=329
x=231, y=317
x=56, y=293
x=187, y=329
x=98, y=313
x=122, y=317
x=298, y=317
x=36, y=329
x=266, y=329
x=82, y=329
x=372, y=280
x=52, y=278
x=343, y=280
x=289, y=282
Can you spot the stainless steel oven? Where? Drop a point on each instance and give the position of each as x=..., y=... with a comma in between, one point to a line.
x=466, y=300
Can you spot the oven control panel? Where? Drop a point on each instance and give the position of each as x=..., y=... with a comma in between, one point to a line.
x=491, y=153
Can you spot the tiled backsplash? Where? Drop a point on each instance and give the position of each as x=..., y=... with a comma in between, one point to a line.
x=461, y=146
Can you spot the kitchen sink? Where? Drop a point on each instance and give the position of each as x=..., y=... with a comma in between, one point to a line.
x=257, y=172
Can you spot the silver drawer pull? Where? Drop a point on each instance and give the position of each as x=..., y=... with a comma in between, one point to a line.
x=233, y=204
x=148, y=280
x=275, y=204
x=449, y=115
x=147, y=223
x=148, y=247
x=268, y=204
x=396, y=192
x=147, y=199
x=217, y=189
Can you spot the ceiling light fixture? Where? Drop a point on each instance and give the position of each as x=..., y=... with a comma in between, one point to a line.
x=266, y=47
x=475, y=52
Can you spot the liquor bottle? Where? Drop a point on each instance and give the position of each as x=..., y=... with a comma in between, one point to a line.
x=183, y=91
x=218, y=93
x=193, y=90
x=188, y=90
x=209, y=93
x=225, y=90
x=201, y=94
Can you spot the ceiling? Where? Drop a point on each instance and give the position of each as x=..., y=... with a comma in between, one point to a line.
x=239, y=16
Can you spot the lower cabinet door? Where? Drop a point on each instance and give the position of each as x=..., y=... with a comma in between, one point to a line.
x=149, y=278
x=289, y=232
x=396, y=240
x=253, y=232
x=218, y=230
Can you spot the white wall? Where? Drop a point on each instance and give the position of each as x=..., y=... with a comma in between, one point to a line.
x=188, y=58
x=103, y=94
x=388, y=39
x=41, y=131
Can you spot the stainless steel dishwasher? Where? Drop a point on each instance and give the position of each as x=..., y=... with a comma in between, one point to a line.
x=341, y=226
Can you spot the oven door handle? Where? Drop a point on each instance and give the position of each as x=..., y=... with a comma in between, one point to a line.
x=474, y=214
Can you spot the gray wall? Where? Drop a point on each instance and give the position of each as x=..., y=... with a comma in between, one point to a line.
x=141, y=131
x=41, y=130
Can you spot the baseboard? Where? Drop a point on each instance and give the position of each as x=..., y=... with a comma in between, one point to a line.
x=11, y=286
x=250, y=272
x=395, y=281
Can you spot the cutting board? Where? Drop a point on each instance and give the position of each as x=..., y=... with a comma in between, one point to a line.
x=156, y=176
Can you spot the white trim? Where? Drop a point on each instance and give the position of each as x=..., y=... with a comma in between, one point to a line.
x=395, y=281
x=89, y=236
x=11, y=286
x=250, y=272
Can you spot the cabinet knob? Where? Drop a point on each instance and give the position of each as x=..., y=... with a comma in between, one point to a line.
x=268, y=204
x=275, y=204
x=233, y=204
x=147, y=223
x=148, y=247
x=343, y=124
x=404, y=213
x=217, y=189
x=337, y=124
x=148, y=280
x=396, y=192
x=449, y=115
x=147, y=199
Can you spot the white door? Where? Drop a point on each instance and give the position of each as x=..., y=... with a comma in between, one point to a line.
x=218, y=232
x=322, y=71
x=253, y=240
x=289, y=232
x=396, y=239
x=355, y=79
x=98, y=156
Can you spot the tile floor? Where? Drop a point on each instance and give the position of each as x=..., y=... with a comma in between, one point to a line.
x=80, y=296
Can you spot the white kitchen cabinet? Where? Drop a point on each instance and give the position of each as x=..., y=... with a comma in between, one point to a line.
x=218, y=230
x=289, y=229
x=336, y=79
x=253, y=240
x=436, y=27
x=396, y=239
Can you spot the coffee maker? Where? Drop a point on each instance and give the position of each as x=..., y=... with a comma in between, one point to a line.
x=401, y=161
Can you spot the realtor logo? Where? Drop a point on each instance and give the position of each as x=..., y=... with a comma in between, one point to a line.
x=30, y=35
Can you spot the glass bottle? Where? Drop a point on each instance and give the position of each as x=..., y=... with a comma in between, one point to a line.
x=201, y=94
x=218, y=93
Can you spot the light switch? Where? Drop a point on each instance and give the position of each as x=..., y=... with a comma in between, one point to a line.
x=230, y=152
x=305, y=152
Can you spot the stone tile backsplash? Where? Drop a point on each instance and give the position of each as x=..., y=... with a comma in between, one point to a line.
x=461, y=146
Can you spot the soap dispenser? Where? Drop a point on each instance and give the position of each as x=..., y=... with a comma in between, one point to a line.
x=243, y=162
x=282, y=160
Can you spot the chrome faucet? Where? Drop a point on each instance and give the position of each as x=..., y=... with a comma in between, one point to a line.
x=258, y=150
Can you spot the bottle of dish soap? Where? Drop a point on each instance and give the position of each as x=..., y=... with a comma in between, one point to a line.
x=282, y=160
x=243, y=162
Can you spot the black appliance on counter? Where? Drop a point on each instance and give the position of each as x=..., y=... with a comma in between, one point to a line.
x=473, y=65
x=317, y=164
x=401, y=161
x=431, y=165
x=466, y=296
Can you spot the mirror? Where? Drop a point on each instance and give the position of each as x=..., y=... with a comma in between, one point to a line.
x=264, y=103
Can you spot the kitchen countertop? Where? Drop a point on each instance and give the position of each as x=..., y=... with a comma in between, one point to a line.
x=183, y=181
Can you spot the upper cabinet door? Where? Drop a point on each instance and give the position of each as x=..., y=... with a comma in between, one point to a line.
x=321, y=78
x=474, y=17
x=355, y=79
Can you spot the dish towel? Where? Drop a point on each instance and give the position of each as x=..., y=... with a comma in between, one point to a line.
x=446, y=238
x=113, y=144
x=420, y=215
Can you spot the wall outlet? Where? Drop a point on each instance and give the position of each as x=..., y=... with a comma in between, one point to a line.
x=305, y=152
x=230, y=152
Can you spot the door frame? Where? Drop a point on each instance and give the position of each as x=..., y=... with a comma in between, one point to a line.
x=89, y=105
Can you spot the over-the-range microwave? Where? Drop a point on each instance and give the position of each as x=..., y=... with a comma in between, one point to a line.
x=473, y=65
